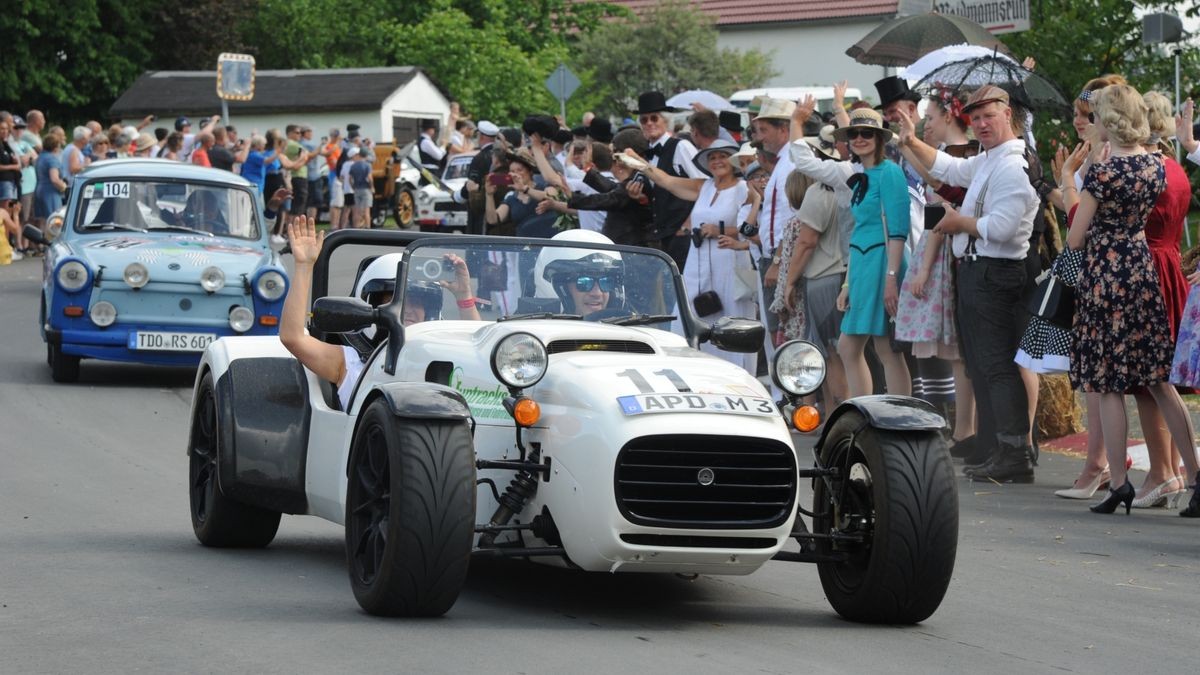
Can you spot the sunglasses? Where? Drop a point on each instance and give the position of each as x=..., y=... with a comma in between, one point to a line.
x=586, y=284
x=852, y=134
x=649, y=118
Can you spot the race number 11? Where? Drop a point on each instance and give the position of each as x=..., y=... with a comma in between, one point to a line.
x=643, y=384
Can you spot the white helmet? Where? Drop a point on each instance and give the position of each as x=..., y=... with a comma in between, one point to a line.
x=555, y=264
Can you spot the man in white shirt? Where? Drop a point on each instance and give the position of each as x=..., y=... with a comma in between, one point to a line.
x=674, y=156
x=772, y=128
x=431, y=153
x=991, y=238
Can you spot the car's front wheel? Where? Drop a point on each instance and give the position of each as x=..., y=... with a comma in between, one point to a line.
x=405, y=208
x=63, y=367
x=216, y=519
x=891, y=512
x=410, y=513
x=379, y=215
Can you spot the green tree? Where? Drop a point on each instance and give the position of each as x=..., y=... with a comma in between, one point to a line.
x=670, y=47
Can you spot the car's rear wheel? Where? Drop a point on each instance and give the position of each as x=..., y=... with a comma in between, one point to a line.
x=216, y=519
x=63, y=367
x=892, y=511
x=405, y=208
x=410, y=513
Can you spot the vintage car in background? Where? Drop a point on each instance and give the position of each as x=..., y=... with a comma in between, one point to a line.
x=151, y=261
x=574, y=421
x=437, y=210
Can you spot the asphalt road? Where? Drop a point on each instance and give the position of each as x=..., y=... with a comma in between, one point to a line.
x=100, y=573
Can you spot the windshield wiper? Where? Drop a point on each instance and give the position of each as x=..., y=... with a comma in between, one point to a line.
x=182, y=228
x=111, y=226
x=538, y=315
x=638, y=319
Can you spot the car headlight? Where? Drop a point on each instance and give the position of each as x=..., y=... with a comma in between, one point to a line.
x=799, y=368
x=212, y=279
x=520, y=360
x=271, y=286
x=241, y=319
x=136, y=275
x=54, y=226
x=103, y=313
x=72, y=276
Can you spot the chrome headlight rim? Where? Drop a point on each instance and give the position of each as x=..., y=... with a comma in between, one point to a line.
x=241, y=318
x=136, y=275
x=798, y=368
x=513, y=353
x=212, y=279
x=266, y=278
x=103, y=314
x=72, y=275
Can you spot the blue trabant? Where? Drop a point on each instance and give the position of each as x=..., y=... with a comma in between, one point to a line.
x=152, y=260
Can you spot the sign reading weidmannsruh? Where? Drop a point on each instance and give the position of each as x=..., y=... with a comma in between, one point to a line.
x=998, y=16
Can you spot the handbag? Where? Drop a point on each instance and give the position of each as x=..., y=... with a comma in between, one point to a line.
x=707, y=303
x=1054, y=301
x=745, y=282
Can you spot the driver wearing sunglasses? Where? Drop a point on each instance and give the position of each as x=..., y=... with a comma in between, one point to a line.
x=590, y=292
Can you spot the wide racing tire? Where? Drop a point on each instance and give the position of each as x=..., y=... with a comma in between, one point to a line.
x=217, y=520
x=896, y=491
x=410, y=513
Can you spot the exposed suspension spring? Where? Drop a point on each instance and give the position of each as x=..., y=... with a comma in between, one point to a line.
x=519, y=490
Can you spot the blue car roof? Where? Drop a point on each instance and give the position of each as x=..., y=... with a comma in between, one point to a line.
x=156, y=169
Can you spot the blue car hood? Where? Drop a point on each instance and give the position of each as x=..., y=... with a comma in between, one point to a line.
x=173, y=257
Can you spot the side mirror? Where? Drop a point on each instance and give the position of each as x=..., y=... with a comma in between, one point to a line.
x=34, y=233
x=342, y=315
x=737, y=335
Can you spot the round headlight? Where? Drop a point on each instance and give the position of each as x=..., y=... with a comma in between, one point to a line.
x=241, y=319
x=54, y=226
x=520, y=360
x=799, y=368
x=103, y=313
x=212, y=279
x=271, y=286
x=72, y=276
x=136, y=275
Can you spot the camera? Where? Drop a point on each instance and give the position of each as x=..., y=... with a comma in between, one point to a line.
x=748, y=230
x=434, y=269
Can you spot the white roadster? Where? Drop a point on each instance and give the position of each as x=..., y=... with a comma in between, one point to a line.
x=578, y=424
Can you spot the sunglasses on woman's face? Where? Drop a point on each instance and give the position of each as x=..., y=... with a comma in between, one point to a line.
x=586, y=284
x=852, y=134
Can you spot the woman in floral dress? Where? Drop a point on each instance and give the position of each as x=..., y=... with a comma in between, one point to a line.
x=1119, y=335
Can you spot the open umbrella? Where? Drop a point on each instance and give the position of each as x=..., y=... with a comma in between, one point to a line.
x=902, y=41
x=704, y=97
x=1029, y=88
x=940, y=57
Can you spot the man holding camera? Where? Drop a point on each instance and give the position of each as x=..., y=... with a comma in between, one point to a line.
x=674, y=156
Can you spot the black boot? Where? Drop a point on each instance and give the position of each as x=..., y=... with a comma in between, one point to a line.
x=1011, y=464
x=1193, y=507
x=962, y=449
x=980, y=456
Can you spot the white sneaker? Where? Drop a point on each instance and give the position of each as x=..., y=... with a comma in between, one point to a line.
x=277, y=242
x=17, y=255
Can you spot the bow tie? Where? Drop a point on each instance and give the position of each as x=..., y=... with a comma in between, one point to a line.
x=654, y=152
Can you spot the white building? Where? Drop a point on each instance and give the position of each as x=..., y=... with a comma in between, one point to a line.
x=386, y=103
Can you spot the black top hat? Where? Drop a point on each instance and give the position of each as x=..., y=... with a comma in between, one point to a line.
x=653, y=101
x=543, y=125
x=892, y=89
x=511, y=136
x=579, y=131
x=563, y=136
x=731, y=121
x=600, y=130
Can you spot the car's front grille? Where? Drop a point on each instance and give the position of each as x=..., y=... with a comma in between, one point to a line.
x=626, y=346
x=694, y=481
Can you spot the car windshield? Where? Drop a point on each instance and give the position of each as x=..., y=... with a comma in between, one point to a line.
x=457, y=168
x=143, y=205
x=549, y=280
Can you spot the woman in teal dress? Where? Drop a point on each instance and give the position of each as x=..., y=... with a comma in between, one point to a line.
x=870, y=296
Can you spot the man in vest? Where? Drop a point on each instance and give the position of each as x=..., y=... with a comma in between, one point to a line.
x=674, y=156
x=431, y=152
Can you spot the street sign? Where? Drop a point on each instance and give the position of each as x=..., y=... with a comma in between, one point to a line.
x=998, y=16
x=562, y=82
x=235, y=77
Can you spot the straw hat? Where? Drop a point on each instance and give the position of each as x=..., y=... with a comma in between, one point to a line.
x=824, y=143
x=719, y=145
x=865, y=118
x=776, y=109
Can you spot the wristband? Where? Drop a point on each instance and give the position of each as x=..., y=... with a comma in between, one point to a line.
x=466, y=304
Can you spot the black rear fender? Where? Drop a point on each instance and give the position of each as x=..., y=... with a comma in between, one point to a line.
x=889, y=413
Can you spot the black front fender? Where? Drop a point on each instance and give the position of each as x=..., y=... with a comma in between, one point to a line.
x=891, y=413
x=425, y=400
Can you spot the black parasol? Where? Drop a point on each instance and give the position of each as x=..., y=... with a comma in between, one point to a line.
x=900, y=42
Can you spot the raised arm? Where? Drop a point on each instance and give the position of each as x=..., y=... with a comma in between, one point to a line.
x=687, y=189
x=323, y=359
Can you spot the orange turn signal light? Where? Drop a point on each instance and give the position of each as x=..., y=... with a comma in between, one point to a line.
x=526, y=412
x=268, y=320
x=806, y=418
x=73, y=310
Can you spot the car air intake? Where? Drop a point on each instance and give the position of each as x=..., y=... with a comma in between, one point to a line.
x=626, y=346
x=712, y=482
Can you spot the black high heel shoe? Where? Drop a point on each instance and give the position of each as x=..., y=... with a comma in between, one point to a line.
x=1125, y=494
x=1193, y=508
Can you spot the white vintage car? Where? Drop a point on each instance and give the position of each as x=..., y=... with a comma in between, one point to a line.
x=578, y=424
